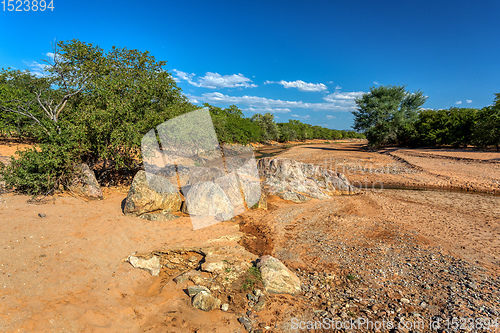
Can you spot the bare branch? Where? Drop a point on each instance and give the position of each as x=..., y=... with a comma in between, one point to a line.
x=43, y=107
x=26, y=113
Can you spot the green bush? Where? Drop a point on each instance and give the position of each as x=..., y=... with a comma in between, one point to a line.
x=38, y=172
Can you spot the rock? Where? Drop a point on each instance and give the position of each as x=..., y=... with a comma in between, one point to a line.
x=258, y=293
x=148, y=196
x=227, y=182
x=297, y=182
x=198, y=280
x=293, y=196
x=246, y=323
x=276, y=277
x=205, y=301
x=159, y=217
x=224, y=307
x=405, y=301
x=151, y=265
x=186, y=276
x=208, y=199
x=260, y=304
x=194, y=290
x=85, y=184
x=218, y=258
x=42, y=215
x=262, y=204
x=240, y=160
x=204, y=175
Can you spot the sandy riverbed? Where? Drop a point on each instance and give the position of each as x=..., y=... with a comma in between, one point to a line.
x=65, y=272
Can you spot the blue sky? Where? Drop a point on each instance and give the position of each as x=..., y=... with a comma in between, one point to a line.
x=304, y=60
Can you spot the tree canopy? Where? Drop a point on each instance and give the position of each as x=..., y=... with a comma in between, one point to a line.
x=386, y=111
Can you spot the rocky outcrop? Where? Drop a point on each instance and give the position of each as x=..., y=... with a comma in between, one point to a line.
x=85, y=184
x=148, y=196
x=298, y=182
x=276, y=277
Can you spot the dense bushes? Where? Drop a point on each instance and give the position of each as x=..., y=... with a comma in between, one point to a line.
x=390, y=115
x=232, y=127
x=95, y=107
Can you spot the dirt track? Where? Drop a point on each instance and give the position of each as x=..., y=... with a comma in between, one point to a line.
x=65, y=271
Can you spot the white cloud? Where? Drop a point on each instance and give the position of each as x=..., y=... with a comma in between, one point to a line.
x=329, y=116
x=469, y=101
x=376, y=83
x=343, y=96
x=458, y=102
x=51, y=56
x=37, y=68
x=214, y=80
x=303, y=117
x=342, y=105
x=300, y=85
x=185, y=76
x=267, y=109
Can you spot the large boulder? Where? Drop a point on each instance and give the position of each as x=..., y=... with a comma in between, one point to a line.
x=148, y=196
x=85, y=184
x=208, y=199
x=276, y=277
x=298, y=182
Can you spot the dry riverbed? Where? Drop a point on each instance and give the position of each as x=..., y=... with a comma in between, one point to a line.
x=393, y=255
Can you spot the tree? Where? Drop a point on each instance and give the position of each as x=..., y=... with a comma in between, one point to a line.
x=18, y=103
x=385, y=111
x=94, y=106
x=487, y=129
x=127, y=93
x=270, y=130
x=38, y=92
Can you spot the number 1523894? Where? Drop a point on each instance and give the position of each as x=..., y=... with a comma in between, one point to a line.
x=27, y=5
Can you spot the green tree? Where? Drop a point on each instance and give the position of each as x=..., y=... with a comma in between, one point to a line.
x=385, y=111
x=270, y=131
x=96, y=107
x=487, y=129
x=21, y=114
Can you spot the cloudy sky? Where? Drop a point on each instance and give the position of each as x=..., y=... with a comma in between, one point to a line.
x=303, y=60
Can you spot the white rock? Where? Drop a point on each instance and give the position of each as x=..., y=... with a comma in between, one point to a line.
x=151, y=265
